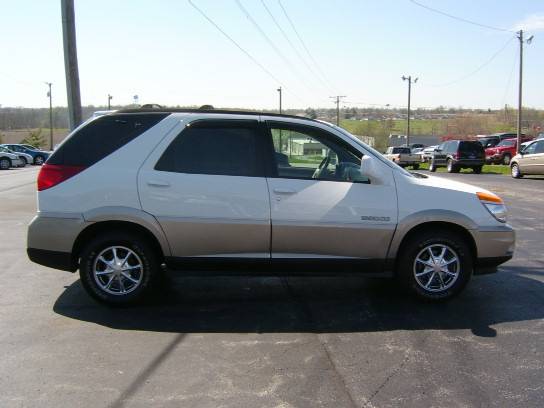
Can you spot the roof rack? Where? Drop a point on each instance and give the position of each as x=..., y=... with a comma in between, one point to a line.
x=218, y=111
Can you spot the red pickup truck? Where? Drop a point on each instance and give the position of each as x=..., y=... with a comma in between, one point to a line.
x=503, y=152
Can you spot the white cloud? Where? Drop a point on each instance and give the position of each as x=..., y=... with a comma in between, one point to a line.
x=534, y=22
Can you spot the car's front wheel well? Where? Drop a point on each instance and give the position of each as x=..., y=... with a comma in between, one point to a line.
x=441, y=226
x=106, y=227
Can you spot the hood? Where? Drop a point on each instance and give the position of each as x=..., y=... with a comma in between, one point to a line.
x=445, y=184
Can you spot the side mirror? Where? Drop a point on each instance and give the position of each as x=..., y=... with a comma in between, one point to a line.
x=370, y=169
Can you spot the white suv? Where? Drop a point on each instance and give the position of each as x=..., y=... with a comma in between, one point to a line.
x=131, y=192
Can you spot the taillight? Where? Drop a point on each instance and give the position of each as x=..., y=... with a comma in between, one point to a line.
x=52, y=174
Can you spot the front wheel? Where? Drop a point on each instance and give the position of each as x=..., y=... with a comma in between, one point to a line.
x=435, y=265
x=506, y=159
x=516, y=172
x=118, y=268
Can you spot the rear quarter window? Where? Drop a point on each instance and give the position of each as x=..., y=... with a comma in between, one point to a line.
x=102, y=137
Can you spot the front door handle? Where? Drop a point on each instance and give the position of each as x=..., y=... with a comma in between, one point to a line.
x=284, y=191
x=158, y=183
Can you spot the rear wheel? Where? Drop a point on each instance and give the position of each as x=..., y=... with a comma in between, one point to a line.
x=118, y=268
x=5, y=164
x=436, y=265
x=506, y=159
x=477, y=169
x=452, y=168
x=515, y=171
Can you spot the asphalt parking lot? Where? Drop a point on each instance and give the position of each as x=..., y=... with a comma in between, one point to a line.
x=273, y=342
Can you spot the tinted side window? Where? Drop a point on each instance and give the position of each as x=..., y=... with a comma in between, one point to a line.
x=103, y=136
x=539, y=147
x=215, y=148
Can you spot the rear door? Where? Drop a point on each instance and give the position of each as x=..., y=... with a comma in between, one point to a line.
x=321, y=205
x=206, y=187
x=526, y=162
x=440, y=154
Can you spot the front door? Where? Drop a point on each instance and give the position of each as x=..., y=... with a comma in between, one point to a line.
x=321, y=205
x=207, y=189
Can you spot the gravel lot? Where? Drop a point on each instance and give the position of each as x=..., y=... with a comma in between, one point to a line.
x=271, y=342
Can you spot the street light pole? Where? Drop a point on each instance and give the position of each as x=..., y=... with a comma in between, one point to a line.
x=279, y=91
x=409, y=79
x=109, y=101
x=50, y=95
x=520, y=91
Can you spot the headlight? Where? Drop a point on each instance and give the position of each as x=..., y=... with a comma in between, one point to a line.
x=494, y=205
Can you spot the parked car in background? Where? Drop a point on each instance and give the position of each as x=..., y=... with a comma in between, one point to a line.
x=529, y=161
x=8, y=160
x=403, y=156
x=38, y=156
x=494, y=139
x=458, y=154
x=427, y=153
x=503, y=152
x=24, y=157
x=195, y=190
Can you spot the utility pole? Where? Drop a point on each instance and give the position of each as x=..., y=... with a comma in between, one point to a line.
x=70, y=62
x=337, y=97
x=50, y=115
x=279, y=91
x=520, y=92
x=409, y=79
x=109, y=101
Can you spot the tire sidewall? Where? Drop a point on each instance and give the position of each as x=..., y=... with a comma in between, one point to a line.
x=514, y=173
x=2, y=161
x=407, y=258
x=136, y=244
x=449, y=166
x=37, y=158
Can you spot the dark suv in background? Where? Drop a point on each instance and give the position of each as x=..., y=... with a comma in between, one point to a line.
x=458, y=154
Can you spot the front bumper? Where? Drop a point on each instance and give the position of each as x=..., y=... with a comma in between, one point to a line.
x=494, y=246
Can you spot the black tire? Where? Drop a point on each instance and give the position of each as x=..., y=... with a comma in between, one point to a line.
x=24, y=160
x=38, y=160
x=150, y=270
x=515, y=171
x=506, y=159
x=432, y=167
x=477, y=169
x=415, y=166
x=406, y=268
x=5, y=163
x=452, y=168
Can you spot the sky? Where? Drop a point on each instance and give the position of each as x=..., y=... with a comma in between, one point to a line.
x=167, y=52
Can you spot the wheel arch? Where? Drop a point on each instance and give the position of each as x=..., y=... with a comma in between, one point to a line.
x=100, y=227
x=449, y=226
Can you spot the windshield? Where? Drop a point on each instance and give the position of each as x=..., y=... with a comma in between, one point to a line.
x=507, y=143
x=488, y=141
x=369, y=149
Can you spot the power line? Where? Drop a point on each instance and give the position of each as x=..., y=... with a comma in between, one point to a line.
x=486, y=63
x=299, y=55
x=263, y=68
x=271, y=43
x=464, y=20
x=302, y=42
x=508, y=88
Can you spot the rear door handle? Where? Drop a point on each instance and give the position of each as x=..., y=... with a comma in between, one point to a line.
x=284, y=191
x=158, y=183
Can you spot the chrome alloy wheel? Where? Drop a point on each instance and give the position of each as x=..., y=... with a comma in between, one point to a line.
x=436, y=268
x=118, y=270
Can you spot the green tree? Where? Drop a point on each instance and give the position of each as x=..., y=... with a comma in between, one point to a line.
x=311, y=113
x=34, y=138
